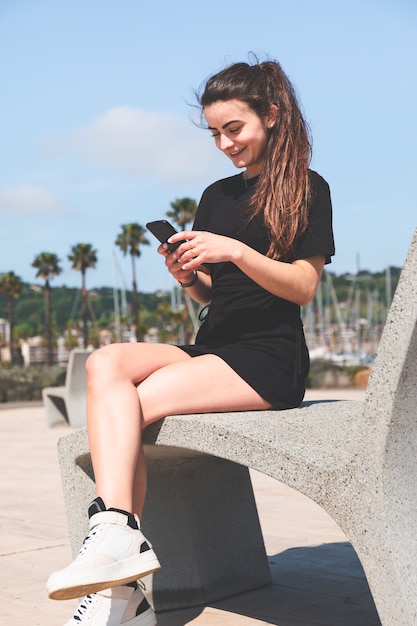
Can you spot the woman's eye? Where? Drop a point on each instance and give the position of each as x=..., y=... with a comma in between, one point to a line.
x=235, y=130
x=215, y=134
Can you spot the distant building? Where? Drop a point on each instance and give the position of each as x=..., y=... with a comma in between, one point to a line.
x=4, y=341
x=34, y=351
x=4, y=331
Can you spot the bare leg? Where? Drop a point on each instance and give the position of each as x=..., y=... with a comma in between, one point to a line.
x=114, y=415
x=129, y=387
x=169, y=381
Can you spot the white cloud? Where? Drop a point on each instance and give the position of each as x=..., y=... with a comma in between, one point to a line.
x=144, y=144
x=30, y=200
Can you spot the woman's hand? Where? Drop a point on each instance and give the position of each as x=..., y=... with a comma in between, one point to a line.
x=200, y=247
x=174, y=265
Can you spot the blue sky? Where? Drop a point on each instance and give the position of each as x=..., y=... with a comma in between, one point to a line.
x=96, y=129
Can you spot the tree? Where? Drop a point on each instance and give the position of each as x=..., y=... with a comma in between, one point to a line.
x=132, y=237
x=169, y=322
x=82, y=258
x=47, y=265
x=11, y=285
x=183, y=213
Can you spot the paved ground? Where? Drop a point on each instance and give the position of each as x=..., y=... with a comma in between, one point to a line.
x=317, y=578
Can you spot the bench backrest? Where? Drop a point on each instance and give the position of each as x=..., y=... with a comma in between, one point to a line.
x=392, y=387
x=391, y=434
x=76, y=380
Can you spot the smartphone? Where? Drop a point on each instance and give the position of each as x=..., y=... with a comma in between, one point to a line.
x=163, y=230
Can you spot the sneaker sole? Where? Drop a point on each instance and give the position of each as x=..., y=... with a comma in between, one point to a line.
x=105, y=578
x=148, y=618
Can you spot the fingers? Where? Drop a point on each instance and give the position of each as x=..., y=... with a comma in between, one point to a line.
x=174, y=261
x=163, y=249
x=188, y=235
x=192, y=253
x=185, y=255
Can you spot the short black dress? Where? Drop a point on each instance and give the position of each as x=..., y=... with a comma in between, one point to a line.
x=258, y=334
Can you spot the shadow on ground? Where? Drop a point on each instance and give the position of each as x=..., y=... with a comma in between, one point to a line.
x=311, y=586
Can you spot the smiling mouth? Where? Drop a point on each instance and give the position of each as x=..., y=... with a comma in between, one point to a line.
x=237, y=153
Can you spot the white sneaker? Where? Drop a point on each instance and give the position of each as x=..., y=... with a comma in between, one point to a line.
x=112, y=554
x=120, y=606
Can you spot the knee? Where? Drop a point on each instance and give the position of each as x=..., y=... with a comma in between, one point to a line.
x=102, y=364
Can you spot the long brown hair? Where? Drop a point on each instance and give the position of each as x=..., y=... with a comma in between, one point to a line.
x=282, y=194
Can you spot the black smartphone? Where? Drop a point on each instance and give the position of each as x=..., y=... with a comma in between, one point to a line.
x=163, y=230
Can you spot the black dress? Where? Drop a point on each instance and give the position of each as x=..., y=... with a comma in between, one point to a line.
x=258, y=334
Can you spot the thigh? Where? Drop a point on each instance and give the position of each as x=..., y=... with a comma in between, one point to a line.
x=131, y=361
x=203, y=384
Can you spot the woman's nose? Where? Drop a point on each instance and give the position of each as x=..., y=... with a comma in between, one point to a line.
x=225, y=142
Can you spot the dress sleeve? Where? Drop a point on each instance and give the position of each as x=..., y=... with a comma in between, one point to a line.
x=318, y=236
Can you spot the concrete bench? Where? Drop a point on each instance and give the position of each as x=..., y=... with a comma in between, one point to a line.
x=357, y=460
x=68, y=403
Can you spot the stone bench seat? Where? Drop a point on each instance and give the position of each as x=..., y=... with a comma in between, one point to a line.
x=357, y=460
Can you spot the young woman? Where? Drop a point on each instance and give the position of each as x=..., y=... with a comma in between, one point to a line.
x=256, y=253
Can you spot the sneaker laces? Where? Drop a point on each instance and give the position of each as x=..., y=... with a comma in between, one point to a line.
x=88, y=540
x=84, y=607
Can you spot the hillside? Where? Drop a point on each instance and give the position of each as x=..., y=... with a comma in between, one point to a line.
x=29, y=309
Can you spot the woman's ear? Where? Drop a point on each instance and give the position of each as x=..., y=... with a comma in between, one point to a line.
x=272, y=116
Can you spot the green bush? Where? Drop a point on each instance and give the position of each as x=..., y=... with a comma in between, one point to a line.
x=25, y=384
x=324, y=375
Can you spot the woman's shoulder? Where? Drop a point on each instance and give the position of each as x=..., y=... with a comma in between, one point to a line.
x=317, y=181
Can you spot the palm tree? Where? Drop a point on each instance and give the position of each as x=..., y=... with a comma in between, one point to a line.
x=11, y=285
x=183, y=213
x=47, y=264
x=82, y=258
x=132, y=237
x=169, y=322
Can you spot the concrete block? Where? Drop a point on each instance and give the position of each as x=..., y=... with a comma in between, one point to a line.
x=200, y=516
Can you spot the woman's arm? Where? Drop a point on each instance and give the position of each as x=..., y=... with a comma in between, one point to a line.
x=200, y=291
x=296, y=282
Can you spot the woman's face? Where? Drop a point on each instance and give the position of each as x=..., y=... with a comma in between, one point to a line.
x=240, y=133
